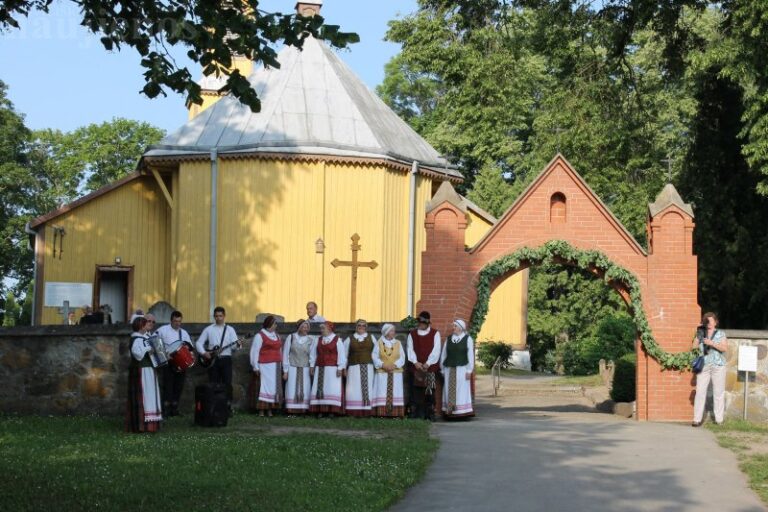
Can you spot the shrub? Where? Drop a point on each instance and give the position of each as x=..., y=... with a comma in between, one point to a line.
x=624, y=379
x=488, y=351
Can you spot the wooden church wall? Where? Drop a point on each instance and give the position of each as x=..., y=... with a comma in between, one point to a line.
x=128, y=222
x=270, y=215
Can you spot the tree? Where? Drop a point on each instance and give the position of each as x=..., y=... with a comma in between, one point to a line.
x=11, y=310
x=491, y=192
x=16, y=194
x=97, y=154
x=213, y=34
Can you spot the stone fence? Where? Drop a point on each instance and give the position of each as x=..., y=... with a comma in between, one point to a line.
x=757, y=402
x=83, y=369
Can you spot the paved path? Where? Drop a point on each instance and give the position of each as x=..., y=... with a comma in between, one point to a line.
x=553, y=453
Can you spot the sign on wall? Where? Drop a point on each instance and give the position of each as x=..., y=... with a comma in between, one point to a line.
x=77, y=294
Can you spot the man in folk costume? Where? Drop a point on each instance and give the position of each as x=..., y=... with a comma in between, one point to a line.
x=359, y=390
x=389, y=359
x=173, y=337
x=222, y=338
x=424, y=356
x=143, y=411
x=298, y=356
x=330, y=360
x=267, y=363
x=457, y=363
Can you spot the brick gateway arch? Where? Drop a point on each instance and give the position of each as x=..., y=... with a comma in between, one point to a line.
x=559, y=205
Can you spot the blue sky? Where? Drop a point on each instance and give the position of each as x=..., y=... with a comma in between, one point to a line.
x=59, y=75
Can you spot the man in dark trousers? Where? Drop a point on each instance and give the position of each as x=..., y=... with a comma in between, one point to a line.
x=423, y=356
x=220, y=336
x=174, y=337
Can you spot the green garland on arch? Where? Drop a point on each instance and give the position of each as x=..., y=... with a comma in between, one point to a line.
x=589, y=260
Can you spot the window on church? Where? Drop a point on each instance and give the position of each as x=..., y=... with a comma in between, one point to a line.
x=557, y=212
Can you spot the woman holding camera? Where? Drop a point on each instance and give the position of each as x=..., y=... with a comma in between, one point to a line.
x=714, y=346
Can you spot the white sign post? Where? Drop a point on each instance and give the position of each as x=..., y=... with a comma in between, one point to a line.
x=747, y=363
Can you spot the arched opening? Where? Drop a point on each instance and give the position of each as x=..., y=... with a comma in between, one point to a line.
x=557, y=209
x=572, y=319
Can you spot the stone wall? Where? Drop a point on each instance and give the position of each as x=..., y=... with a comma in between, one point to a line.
x=83, y=369
x=757, y=402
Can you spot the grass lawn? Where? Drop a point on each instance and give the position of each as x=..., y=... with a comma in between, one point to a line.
x=750, y=443
x=567, y=380
x=579, y=380
x=505, y=372
x=79, y=463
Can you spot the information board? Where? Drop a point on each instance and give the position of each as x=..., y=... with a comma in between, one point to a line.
x=78, y=294
x=747, y=358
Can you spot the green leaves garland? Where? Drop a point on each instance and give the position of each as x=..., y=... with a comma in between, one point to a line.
x=593, y=261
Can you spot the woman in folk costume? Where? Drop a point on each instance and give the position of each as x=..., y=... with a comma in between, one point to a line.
x=143, y=413
x=389, y=359
x=330, y=361
x=457, y=362
x=359, y=389
x=298, y=356
x=267, y=363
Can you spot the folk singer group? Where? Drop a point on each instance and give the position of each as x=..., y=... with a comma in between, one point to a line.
x=305, y=374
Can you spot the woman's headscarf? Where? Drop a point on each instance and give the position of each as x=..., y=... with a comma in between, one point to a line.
x=386, y=328
x=461, y=323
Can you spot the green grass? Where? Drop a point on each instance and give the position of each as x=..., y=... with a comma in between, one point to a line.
x=79, y=463
x=579, y=380
x=505, y=372
x=749, y=441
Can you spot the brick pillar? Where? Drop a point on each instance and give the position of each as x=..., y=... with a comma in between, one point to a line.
x=673, y=312
x=444, y=263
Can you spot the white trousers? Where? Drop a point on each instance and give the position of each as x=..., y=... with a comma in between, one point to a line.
x=716, y=374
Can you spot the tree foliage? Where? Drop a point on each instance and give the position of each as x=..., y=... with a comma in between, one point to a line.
x=634, y=94
x=212, y=33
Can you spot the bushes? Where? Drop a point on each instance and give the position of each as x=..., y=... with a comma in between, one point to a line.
x=488, y=351
x=614, y=336
x=624, y=379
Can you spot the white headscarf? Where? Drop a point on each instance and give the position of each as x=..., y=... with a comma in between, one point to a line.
x=386, y=328
x=461, y=323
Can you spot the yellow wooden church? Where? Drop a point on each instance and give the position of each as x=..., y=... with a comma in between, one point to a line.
x=257, y=211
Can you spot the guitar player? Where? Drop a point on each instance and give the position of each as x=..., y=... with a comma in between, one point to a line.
x=217, y=342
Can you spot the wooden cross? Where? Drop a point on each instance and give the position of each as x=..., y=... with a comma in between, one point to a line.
x=354, y=264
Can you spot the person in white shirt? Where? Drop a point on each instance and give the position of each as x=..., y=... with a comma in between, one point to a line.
x=174, y=337
x=457, y=363
x=298, y=357
x=424, y=355
x=313, y=317
x=330, y=361
x=389, y=359
x=266, y=389
x=218, y=341
x=144, y=410
x=359, y=390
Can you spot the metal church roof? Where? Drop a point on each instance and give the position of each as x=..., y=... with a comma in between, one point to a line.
x=313, y=104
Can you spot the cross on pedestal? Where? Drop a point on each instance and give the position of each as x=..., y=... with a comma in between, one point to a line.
x=354, y=264
x=64, y=312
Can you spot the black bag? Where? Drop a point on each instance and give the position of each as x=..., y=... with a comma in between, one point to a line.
x=211, y=406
